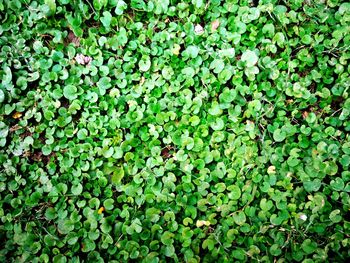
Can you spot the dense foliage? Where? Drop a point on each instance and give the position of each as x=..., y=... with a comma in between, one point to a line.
x=185, y=131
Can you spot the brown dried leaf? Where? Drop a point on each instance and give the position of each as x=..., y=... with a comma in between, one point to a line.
x=15, y=128
x=73, y=39
x=166, y=151
x=305, y=114
x=215, y=24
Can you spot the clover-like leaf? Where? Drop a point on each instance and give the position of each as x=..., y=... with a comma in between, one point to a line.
x=250, y=58
x=309, y=246
x=2, y=96
x=77, y=189
x=118, y=175
x=239, y=218
x=145, y=64
x=235, y=192
x=70, y=92
x=106, y=19
x=99, y=4
x=279, y=135
x=120, y=7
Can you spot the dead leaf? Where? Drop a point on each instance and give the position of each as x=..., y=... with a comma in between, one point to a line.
x=73, y=39
x=15, y=128
x=305, y=114
x=142, y=80
x=100, y=210
x=166, y=152
x=271, y=169
x=201, y=223
x=26, y=154
x=176, y=49
x=17, y=115
x=215, y=24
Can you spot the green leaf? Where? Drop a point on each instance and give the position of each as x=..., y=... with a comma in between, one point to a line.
x=275, y=250
x=167, y=238
x=218, y=125
x=70, y=92
x=88, y=245
x=108, y=204
x=228, y=95
x=192, y=51
x=121, y=6
x=46, y=150
x=103, y=84
x=215, y=109
x=106, y=19
x=279, y=135
x=153, y=214
x=169, y=251
x=198, y=3
x=208, y=243
x=167, y=72
x=269, y=29
x=108, y=152
x=2, y=96
x=118, y=175
x=239, y=254
x=239, y=218
x=218, y=65
x=337, y=184
x=188, y=71
x=52, y=6
x=312, y=186
x=279, y=39
x=99, y=4
x=145, y=64
x=309, y=246
x=77, y=189
x=65, y=226
x=50, y=213
x=335, y=216
x=7, y=76
x=250, y=58
x=235, y=192
x=229, y=53
x=59, y=259
x=265, y=204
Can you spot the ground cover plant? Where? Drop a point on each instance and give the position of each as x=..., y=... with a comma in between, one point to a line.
x=178, y=131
